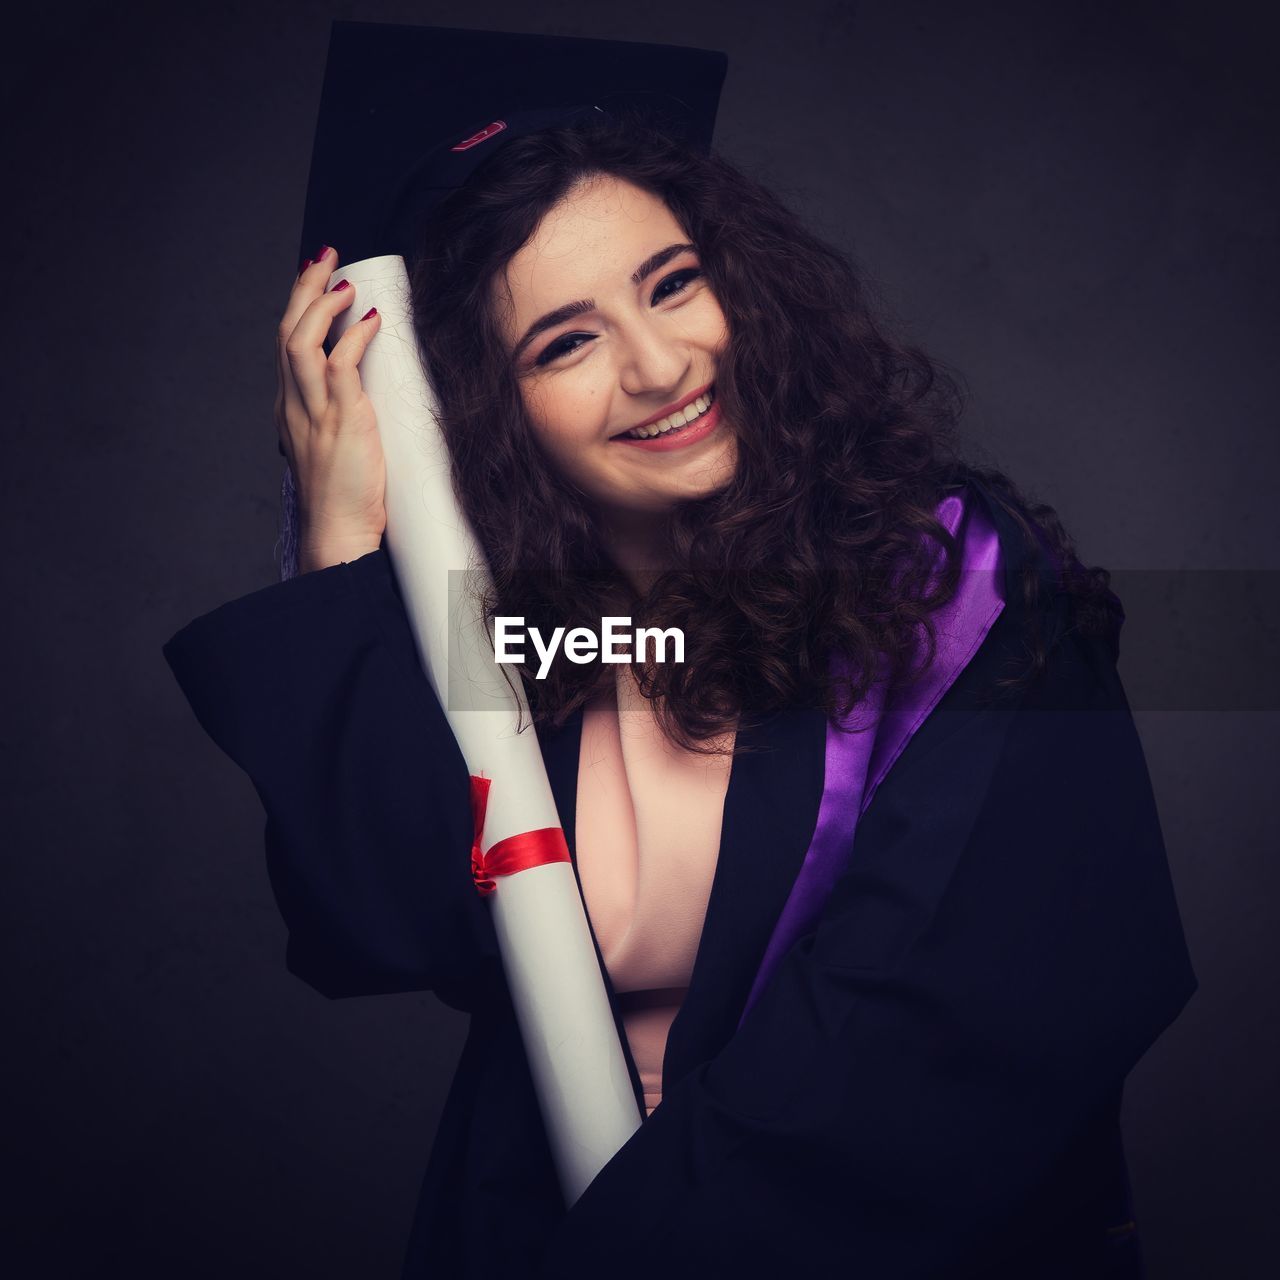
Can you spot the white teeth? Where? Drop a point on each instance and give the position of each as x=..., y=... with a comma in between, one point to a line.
x=681, y=418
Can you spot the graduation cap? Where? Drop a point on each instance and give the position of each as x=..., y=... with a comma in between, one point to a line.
x=408, y=113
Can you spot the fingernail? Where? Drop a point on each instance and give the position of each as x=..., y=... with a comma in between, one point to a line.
x=324, y=248
x=342, y=284
x=373, y=311
x=306, y=262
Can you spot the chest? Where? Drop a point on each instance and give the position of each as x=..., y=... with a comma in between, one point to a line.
x=648, y=820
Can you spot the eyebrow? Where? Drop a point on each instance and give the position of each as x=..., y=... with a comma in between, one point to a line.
x=655, y=262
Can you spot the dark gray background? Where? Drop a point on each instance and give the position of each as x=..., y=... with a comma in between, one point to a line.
x=1071, y=204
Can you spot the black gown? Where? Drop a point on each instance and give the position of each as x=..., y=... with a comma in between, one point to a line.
x=929, y=1084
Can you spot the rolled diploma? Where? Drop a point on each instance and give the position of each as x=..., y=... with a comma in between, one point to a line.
x=566, y=1022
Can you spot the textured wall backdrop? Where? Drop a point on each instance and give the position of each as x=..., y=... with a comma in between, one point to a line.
x=1074, y=205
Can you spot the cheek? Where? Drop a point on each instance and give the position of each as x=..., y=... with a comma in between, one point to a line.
x=566, y=416
x=564, y=427
x=713, y=328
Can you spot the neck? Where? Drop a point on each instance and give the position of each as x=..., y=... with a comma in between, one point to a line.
x=636, y=540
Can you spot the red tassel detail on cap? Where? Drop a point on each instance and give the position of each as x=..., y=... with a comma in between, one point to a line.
x=487, y=132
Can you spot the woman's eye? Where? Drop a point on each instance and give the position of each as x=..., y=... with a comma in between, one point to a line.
x=685, y=276
x=560, y=347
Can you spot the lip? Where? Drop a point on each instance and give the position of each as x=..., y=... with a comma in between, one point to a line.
x=669, y=410
x=683, y=439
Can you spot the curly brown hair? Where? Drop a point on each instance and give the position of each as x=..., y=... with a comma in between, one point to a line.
x=825, y=539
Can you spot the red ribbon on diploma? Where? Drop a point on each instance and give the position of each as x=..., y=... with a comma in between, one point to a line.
x=515, y=853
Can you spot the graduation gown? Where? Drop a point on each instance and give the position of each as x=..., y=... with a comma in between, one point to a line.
x=928, y=1084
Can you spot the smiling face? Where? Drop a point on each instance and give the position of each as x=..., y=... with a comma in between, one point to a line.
x=643, y=336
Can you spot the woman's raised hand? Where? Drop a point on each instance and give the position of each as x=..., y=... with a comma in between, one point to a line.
x=327, y=426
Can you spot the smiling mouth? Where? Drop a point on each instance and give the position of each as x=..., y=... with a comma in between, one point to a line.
x=678, y=421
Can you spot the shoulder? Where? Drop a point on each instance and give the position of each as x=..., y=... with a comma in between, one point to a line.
x=1057, y=637
x=1043, y=579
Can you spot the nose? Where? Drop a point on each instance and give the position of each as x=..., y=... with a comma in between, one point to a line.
x=654, y=362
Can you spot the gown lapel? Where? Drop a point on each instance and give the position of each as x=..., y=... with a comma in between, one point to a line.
x=770, y=809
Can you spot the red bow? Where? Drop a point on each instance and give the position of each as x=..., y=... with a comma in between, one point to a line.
x=515, y=853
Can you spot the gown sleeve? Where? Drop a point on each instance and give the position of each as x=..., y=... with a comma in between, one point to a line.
x=314, y=688
x=905, y=1095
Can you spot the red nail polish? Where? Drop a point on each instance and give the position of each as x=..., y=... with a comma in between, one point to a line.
x=373, y=311
x=324, y=248
x=342, y=284
x=306, y=262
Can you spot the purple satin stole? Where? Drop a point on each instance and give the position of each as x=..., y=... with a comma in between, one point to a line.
x=856, y=763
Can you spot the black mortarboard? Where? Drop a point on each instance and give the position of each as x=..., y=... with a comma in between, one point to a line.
x=407, y=113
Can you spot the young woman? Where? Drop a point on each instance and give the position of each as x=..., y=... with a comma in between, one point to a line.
x=666, y=399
